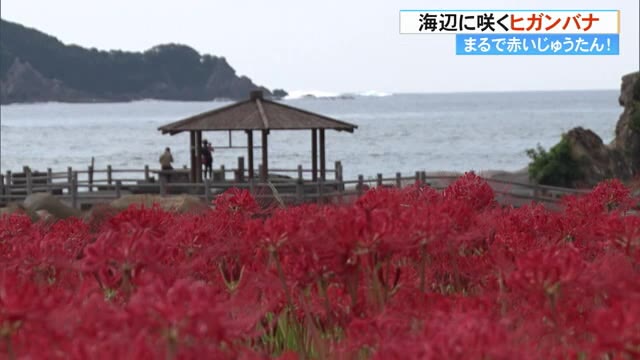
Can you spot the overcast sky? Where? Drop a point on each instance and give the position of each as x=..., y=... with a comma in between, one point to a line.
x=331, y=45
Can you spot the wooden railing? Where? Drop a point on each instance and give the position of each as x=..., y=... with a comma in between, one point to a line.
x=81, y=188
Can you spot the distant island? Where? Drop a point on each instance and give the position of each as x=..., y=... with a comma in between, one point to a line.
x=36, y=67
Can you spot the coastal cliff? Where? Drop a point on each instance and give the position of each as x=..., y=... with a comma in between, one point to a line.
x=621, y=158
x=582, y=159
x=36, y=67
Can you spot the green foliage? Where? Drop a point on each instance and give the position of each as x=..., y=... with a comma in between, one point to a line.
x=286, y=334
x=554, y=167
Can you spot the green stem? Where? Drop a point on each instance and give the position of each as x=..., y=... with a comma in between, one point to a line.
x=10, y=352
x=327, y=304
x=423, y=260
x=456, y=271
x=282, y=278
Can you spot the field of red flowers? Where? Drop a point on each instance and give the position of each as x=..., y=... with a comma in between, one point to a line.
x=399, y=274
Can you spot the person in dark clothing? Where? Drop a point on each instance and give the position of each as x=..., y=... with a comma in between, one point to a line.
x=207, y=159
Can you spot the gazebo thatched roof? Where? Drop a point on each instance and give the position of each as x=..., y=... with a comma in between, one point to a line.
x=256, y=113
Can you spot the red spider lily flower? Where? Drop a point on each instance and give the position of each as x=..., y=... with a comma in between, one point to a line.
x=617, y=328
x=472, y=190
x=236, y=200
x=410, y=273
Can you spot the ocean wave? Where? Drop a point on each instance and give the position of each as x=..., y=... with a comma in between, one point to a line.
x=299, y=94
x=374, y=93
x=318, y=94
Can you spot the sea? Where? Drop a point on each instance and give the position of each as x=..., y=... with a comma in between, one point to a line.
x=396, y=132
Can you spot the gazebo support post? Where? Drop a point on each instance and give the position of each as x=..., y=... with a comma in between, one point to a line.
x=198, y=157
x=192, y=152
x=323, y=164
x=250, y=152
x=265, y=156
x=314, y=154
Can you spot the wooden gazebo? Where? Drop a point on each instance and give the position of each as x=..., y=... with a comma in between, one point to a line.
x=257, y=114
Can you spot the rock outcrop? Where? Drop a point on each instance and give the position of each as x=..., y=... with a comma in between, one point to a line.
x=620, y=159
x=627, y=140
x=23, y=83
x=596, y=160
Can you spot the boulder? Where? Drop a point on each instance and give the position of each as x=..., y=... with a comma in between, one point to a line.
x=178, y=203
x=50, y=205
x=14, y=208
x=597, y=161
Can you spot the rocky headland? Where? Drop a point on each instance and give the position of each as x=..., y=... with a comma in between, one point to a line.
x=36, y=67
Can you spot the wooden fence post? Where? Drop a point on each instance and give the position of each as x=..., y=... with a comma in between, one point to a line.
x=163, y=185
x=146, y=173
x=299, y=192
x=29, y=179
x=109, y=174
x=536, y=192
x=339, y=176
x=118, y=189
x=1, y=184
x=360, y=186
x=423, y=178
x=8, y=183
x=417, y=177
x=90, y=177
x=398, y=180
x=320, y=190
x=74, y=190
x=70, y=179
x=207, y=189
x=379, y=180
x=49, y=179
x=240, y=174
x=223, y=173
x=300, y=176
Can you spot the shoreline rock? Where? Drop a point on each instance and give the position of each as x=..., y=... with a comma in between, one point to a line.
x=621, y=158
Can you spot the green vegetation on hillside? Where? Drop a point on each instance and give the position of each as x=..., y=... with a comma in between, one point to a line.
x=554, y=167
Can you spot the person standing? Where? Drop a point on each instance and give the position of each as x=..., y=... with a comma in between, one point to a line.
x=207, y=159
x=165, y=162
x=166, y=159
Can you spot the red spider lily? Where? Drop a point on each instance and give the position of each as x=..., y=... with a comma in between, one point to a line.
x=236, y=201
x=472, y=190
x=617, y=328
x=409, y=273
x=542, y=273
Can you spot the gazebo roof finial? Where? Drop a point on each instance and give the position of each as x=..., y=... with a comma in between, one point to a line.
x=256, y=94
